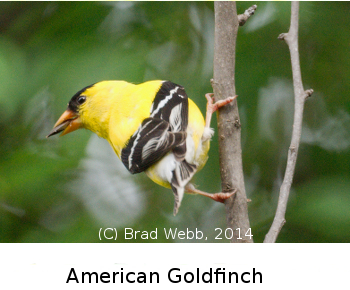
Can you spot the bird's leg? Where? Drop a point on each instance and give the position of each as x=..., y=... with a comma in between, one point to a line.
x=220, y=197
x=213, y=107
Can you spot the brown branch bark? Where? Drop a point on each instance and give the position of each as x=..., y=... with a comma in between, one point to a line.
x=291, y=38
x=242, y=18
x=229, y=125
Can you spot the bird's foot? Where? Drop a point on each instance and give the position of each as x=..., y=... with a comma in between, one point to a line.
x=213, y=107
x=220, y=197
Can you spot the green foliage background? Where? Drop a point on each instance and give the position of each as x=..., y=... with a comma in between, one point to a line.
x=66, y=189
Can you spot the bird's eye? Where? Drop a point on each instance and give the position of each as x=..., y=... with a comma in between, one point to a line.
x=81, y=100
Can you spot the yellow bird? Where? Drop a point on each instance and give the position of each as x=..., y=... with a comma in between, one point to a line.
x=153, y=127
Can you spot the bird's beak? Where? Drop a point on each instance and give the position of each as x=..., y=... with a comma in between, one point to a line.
x=68, y=122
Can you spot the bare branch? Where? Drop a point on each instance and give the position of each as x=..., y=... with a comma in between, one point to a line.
x=300, y=95
x=242, y=18
x=229, y=126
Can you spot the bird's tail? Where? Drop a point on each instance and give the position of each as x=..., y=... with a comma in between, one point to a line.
x=182, y=174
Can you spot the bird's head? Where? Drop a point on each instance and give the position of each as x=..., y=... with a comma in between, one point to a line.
x=89, y=108
x=71, y=120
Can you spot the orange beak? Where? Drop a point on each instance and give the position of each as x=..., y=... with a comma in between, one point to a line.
x=68, y=122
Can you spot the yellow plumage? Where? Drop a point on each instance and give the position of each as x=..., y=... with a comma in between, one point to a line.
x=115, y=109
x=152, y=127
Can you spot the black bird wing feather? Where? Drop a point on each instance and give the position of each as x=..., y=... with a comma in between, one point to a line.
x=163, y=131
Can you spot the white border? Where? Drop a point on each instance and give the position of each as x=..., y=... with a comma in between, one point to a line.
x=284, y=266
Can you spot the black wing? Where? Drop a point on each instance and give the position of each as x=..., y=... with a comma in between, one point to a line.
x=149, y=144
x=171, y=105
x=163, y=131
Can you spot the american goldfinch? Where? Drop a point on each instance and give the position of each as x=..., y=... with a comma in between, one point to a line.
x=153, y=127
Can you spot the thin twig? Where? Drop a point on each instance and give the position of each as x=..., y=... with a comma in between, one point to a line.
x=242, y=18
x=300, y=95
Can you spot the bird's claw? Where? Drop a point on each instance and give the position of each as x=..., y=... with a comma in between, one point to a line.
x=213, y=107
x=222, y=196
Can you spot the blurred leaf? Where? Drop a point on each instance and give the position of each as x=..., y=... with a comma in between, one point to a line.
x=322, y=207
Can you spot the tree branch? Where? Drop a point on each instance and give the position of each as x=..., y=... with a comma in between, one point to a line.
x=229, y=126
x=291, y=38
x=242, y=18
